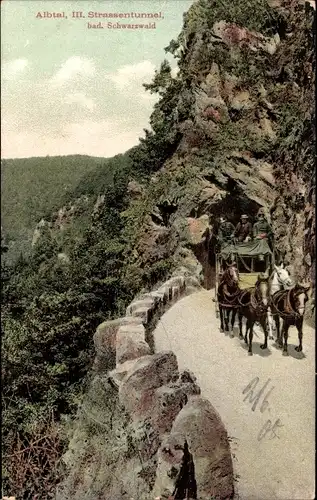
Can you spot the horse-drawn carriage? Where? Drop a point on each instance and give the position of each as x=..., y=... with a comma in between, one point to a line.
x=251, y=258
x=248, y=283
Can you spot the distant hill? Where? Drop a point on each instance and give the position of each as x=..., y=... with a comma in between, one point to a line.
x=32, y=188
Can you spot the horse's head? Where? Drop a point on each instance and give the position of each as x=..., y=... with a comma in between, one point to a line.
x=231, y=273
x=263, y=288
x=300, y=297
x=234, y=273
x=283, y=276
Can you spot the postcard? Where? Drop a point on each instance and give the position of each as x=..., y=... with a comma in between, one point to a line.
x=158, y=249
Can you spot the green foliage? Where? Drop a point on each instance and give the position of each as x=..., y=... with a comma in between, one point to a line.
x=33, y=187
x=255, y=15
x=154, y=149
x=161, y=80
x=97, y=180
x=172, y=48
x=158, y=271
x=160, y=142
x=52, y=307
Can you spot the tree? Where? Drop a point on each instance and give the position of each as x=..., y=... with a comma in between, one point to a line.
x=161, y=80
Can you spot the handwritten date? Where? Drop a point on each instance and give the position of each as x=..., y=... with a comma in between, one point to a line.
x=269, y=429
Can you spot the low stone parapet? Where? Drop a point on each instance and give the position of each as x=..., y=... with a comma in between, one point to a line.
x=164, y=406
x=130, y=343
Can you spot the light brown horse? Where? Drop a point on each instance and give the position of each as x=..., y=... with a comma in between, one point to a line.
x=290, y=306
x=227, y=295
x=253, y=304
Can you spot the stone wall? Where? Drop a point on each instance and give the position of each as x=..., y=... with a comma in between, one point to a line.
x=127, y=339
x=164, y=406
x=141, y=418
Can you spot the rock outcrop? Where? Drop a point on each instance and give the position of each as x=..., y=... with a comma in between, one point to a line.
x=201, y=428
x=137, y=405
x=243, y=117
x=198, y=229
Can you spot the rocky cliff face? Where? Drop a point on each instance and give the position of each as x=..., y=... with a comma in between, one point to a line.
x=244, y=122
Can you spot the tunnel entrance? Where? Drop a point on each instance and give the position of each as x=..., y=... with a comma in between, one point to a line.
x=232, y=207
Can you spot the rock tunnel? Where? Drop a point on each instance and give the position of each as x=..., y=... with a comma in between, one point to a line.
x=231, y=207
x=204, y=219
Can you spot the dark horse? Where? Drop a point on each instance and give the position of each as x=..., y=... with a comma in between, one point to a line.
x=253, y=306
x=227, y=295
x=289, y=305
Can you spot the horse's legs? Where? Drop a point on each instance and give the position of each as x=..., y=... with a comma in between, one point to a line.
x=279, y=336
x=247, y=326
x=251, y=323
x=240, y=324
x=233, y=318
x=221, y=317
x=227, y=312
x=285, y=335
x=221, y=312
x=264, y=326
x=299, y=326
x=270, y=323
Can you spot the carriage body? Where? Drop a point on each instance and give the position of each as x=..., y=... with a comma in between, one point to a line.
x=252, y=258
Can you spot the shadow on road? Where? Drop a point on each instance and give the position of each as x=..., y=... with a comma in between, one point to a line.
x=256, y=345
x=236, y=332
x=295, y=354
x=291, y=351
x=256, y=349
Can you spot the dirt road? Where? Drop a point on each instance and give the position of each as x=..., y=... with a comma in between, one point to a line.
x=272, y=422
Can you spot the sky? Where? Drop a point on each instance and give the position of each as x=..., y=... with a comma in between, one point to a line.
x=70, y=89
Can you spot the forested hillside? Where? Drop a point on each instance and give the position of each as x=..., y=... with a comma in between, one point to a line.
x=232, y=131
x=81, y=271
x=32, y=188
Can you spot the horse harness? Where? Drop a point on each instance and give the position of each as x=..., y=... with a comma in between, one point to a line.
x=234, y=299
x=255, y=302
x=230, y=298
x=290, y=311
